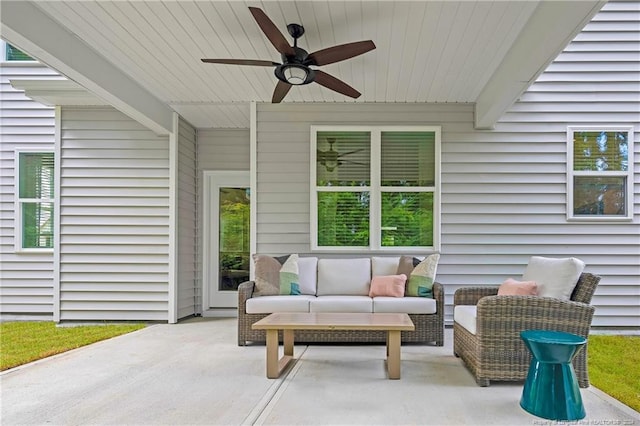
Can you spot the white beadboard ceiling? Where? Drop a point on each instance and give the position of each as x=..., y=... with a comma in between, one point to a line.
x=427, y=51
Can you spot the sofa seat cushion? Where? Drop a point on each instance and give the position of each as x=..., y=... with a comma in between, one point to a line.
x=341, y=304
x=465, y=315
x=271, y=304
x=404, y=305
x=349, y=277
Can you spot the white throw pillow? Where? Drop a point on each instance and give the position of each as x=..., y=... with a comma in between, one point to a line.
x=555, y=277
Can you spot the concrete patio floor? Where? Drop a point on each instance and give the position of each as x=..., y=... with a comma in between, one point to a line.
x=194, y=373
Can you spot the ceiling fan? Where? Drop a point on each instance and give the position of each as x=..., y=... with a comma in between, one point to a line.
x=331, y=159
x=295, y=68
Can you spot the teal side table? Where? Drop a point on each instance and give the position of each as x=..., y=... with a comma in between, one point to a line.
x=551, y=390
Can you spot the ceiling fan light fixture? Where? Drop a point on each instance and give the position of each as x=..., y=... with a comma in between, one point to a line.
x=295, y=74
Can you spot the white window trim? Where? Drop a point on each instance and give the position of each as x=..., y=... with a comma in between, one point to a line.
x=375, y=189
x=629, y=174
x=18, y=201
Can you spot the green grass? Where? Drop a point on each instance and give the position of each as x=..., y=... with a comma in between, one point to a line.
x=613, y=367
x=23, y=342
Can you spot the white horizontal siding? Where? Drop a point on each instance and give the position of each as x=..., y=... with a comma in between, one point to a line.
x=188, y=275
x=598, y=77
x=26, y=279
x=114, y=220
x=503, y=191
x=218, y=150
x=223, y=149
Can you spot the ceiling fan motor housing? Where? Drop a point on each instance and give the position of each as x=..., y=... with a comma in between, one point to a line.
x=296, y=61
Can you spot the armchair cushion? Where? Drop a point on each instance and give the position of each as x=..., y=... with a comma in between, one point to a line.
x=512, y=287
x=465, y=315
x=555, y=277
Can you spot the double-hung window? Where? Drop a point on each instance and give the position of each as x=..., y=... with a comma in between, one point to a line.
x=375, y=188
x=35, y=200
x=600, y=173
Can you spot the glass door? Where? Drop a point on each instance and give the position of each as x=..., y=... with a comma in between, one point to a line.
x=228, y=257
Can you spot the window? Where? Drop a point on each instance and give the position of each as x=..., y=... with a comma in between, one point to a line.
x=35, y=193
x=12, y=53
x=599, y=173
x=375, y=188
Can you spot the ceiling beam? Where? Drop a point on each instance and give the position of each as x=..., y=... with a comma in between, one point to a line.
x=27, y=27
x=552, y=26
x=56, y=92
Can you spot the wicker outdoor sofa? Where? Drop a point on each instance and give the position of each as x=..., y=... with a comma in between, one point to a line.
x=429, y=327
x=496, y=352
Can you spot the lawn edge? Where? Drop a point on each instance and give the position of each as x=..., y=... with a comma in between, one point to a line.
x=71, y=351
x=616, y=403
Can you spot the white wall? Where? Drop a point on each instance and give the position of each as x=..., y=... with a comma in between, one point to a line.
x=114, y=218
x=220, y=150
x=188, y=276
x=26, y=279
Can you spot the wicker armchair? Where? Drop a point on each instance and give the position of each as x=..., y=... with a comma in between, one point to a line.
x=496, y=351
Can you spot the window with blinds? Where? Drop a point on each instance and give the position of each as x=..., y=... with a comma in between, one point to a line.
x=35, y=200
x=12, y=53
x=599, y=173
x=375, y=188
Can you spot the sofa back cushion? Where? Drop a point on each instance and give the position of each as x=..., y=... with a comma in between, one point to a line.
x=308, y=273
x=383, y=266
x=344, y=277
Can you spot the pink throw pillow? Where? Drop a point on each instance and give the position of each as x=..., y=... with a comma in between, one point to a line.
x=388, y=285
x=512, y=287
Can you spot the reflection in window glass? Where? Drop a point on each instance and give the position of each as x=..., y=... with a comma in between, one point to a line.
x=14, y=54
x=408, y=158
x=599, y=196
x=343, y=219
x=37, y=225
x=343, y=159
x=407, y=219
x=234, y=238
x=600, y=151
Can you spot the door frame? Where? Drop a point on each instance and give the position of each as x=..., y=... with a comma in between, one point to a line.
x=210, y=179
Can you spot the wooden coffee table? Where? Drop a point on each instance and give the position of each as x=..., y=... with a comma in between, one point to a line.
x=393, y=324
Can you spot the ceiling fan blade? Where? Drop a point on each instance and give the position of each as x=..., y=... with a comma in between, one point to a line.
x=354, y=162
x=254, y=62
x=339, y=53
x=280, y=92
x=342, y=154
x=330, y=82
x=272, y=32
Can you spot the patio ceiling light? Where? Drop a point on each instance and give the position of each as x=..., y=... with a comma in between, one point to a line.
x=296, y=74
